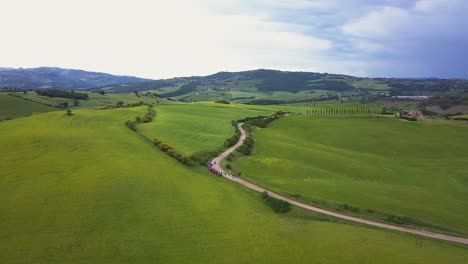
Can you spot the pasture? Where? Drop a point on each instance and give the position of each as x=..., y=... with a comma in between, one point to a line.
x=86, y=189
x=369, y=165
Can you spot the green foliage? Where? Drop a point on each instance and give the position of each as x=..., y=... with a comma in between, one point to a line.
x=278, y=206
x=169, y=150
x=222, y=102
x=131, y=124
x=63, y=94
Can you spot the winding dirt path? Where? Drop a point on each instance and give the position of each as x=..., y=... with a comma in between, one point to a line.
x=216, y=161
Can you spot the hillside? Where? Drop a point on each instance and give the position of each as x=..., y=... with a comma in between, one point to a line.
x=86, y=189
x=13, y=107
x=282, y=87
x=380, y=168
x=52, y=77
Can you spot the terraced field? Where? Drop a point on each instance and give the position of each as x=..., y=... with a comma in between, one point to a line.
x=86, y=189
x=415, y=170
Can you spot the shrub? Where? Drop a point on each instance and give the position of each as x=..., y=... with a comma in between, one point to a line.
x=63, y=94
x=131, y=125
x=222, y=102
x=278, y=206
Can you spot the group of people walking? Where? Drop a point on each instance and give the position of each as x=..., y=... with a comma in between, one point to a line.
x=211, y=168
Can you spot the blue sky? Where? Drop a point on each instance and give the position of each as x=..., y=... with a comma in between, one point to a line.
x=160, y=39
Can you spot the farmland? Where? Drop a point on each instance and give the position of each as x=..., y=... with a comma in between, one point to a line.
x=84, y=188
x=201, y=127
x=367, y=166
x=13, y=107
x=94, y=101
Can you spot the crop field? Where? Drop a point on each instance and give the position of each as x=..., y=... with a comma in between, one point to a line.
x=12, y=107
x=242, y=96
x=86, y=189
x=408, y=169
x=200, y=127
x=95, y=100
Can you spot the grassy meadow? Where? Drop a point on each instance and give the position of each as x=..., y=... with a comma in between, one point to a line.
x=412, y=169
x=95, y=100
x=13, y=107
x=86, y=189
x=198, y=127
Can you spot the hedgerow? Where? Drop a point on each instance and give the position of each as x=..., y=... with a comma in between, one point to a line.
x=278, y=206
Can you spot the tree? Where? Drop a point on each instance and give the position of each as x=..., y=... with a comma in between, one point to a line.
x=65, y=104
x=69, y=112
x=76, y=103
x=119, y=103
x=102, y=92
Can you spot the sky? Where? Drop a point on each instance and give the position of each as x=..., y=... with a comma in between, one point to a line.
x=169, y=38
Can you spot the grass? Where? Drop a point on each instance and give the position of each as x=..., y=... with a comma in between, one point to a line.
x=200, y=127
x=413, y=169
x=13, y=107
x=86, y=189
x=460, y=117
x=95, y=100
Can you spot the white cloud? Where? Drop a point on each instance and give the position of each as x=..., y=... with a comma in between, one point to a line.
x=380, y=23
x=147, y=38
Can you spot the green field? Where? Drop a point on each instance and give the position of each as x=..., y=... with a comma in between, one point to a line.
x=86, y=189
x=413, y=169
x=460, y=117
x=13, y=107
x=95, y=100
x=198, y=127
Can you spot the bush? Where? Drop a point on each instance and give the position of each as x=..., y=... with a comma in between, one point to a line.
x=131, y=125
x=222, y=102
x=278, y=206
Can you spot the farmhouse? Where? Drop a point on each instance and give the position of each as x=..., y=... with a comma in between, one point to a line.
x=411, y=113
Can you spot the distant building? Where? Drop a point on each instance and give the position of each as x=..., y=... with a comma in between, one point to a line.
x=411, y=113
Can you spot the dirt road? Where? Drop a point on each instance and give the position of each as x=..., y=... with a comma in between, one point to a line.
x=216, y=161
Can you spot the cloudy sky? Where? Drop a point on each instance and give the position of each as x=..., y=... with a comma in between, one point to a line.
x=160, y=38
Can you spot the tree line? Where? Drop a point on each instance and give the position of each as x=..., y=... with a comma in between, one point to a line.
x=344, y=111
x=63, y=94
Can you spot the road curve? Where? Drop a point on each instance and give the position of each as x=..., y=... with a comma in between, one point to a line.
x=216, y=165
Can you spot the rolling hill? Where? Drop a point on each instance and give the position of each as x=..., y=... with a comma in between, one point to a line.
x=282, y=87
x=86, y=189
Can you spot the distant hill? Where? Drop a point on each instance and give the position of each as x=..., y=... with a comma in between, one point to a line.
x=266, y=86
x=58, y=78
